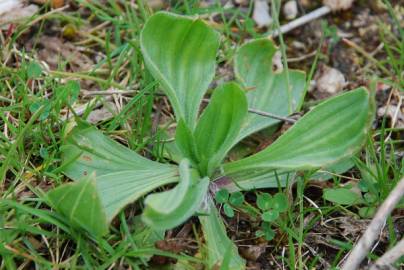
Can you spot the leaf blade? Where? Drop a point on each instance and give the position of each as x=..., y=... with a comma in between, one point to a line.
x=70, y=198
x=121, y=175
x=253, y=67
x=185, y=141
x=186, y=61
x=220, y=248
x=168, y=209
x=326, y=134
x=342, y=196
x=219, y=126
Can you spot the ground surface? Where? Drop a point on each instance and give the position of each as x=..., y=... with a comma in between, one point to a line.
x=92, y=46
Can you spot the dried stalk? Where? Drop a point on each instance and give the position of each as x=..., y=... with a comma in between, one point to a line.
x=391, y=256
x=375, y=227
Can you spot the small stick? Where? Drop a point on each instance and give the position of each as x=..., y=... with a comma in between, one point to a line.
x=266, y=114
x=390, y=257
x=271, y=115
x=395, y=116
x=365, y=243
x=303, y=57
x=131, y=92
x=315, y=14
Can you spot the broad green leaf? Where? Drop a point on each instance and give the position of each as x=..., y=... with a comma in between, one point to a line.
x=170, y=147
x=268, y=232
x=236, y=199
x=264, y=201
x=80, y=203
x=266, y=178
x=342, y=196
x=120, y=189
x=122, y=176
x=367, y=212
x=268, y=91
x=270, y=216
x=180, y=52
x=331, y=131
x=219, y=126
x=44, y=105
x=228, y=210
x=257, y=179
x=280, y=202
x=370, y=198
x=338, y=168
x=171, y=152
x=185, y=141
x=34, y=70
x=218, y=244
x=222, y=196
x=168, y=209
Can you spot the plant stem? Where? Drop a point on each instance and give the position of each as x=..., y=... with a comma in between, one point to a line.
x=275, y=8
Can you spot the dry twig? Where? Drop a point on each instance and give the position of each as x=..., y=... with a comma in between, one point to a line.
x=265, y=114
x=315, y=14
x=376, y=225
x=386, y=261
x=271, y=115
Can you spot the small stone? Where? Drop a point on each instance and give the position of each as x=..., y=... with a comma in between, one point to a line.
x=290, y=10
x=14, y=11
x=261, y=13
x=155, y=4
x=298, y=45
x=330, y=81
x=337, y=5
x=252, y=253
x=242, y=2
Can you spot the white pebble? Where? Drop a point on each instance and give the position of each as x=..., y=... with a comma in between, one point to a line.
x=290, y=10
